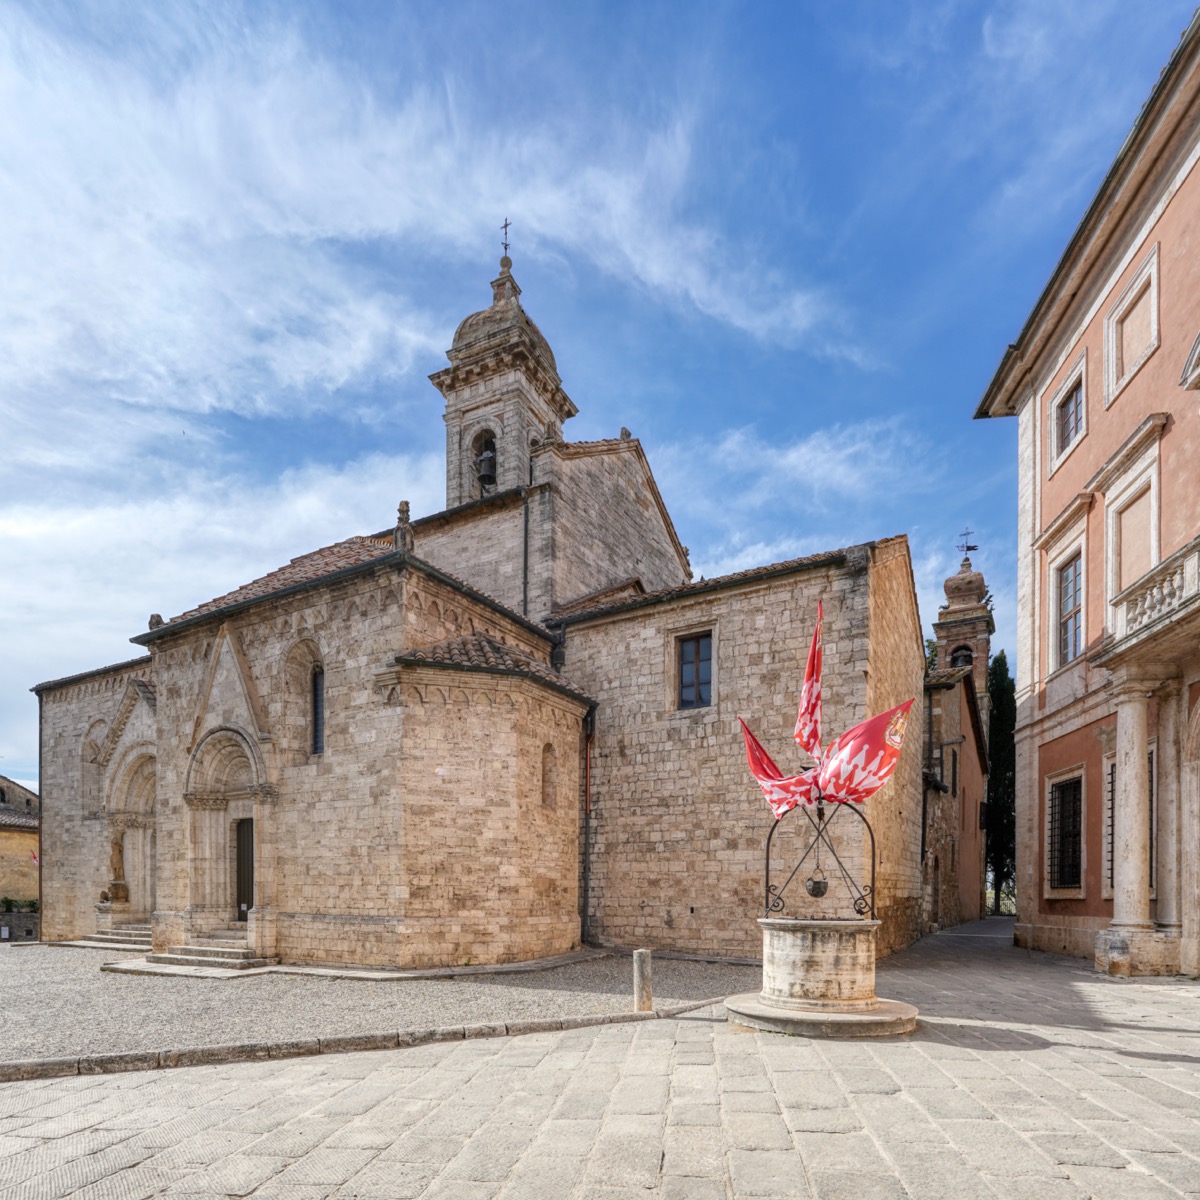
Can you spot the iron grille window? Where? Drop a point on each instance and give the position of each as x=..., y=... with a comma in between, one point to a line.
x=1070, y=610
x=1066, y=828
x=1069, y=422
x=318, y=710
x=1153, y=854
x=695, y=671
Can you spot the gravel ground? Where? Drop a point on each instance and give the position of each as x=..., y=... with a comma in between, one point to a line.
x=55, y=1002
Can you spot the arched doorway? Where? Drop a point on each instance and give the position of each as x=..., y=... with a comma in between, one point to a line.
x=224, y=784
x=133, y=835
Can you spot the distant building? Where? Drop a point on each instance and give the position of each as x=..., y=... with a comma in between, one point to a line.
x=19, y=821
x=1103, y=381
x=956, y=760
x=481, y=735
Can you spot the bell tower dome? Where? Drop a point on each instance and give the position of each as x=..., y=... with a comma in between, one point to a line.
x=964, y=630
x=503, y=396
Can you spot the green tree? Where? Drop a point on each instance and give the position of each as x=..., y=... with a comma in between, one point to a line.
x=931, y=654
x=1002, y=780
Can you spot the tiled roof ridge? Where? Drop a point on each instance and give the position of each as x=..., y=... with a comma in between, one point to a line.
x=947, y=675
x=483, y=652
x=12, y=817
x=697, y=586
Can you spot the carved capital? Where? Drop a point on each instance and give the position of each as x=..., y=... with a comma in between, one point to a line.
x=205, y=800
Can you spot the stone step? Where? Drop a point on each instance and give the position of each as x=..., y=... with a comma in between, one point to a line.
x=136, y=927
x=122, y=937
x=185, y=956
x=201, y=949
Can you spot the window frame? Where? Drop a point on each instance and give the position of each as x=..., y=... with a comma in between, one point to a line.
x=1050, y=891
x=317, y=711
x=1140, y=476
x=1144, y=278
x=695, y=638
x=1076, y=377
x=1078, y=612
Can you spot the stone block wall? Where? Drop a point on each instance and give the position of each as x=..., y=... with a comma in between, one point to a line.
x=893, y=648
x=75, y=717
x=678, y=824
x=18, y=871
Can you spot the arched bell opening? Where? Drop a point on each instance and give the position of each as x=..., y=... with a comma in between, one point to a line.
x=484, y=463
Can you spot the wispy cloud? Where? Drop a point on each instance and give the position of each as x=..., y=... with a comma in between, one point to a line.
x=201, y=243
x=90, y=576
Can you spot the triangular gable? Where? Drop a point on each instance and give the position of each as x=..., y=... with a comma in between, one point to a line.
x=229, y=692
x=135, y=690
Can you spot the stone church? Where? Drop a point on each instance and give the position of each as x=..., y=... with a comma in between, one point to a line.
x=483, y=735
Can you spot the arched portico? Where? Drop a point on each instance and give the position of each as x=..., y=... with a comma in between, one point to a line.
x=132, y=832
x=227, y=793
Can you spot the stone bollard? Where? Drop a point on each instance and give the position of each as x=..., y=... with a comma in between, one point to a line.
x=643, y=991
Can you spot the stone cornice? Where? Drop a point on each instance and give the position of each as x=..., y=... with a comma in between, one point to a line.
x=1079, y=507
x=1141, y=439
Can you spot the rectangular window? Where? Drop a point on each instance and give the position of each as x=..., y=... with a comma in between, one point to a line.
x=695, y=671
x=1066, y=829
x=1070, y=610
x=1069, y=418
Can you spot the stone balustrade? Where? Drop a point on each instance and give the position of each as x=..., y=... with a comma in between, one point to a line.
x=1159, y=592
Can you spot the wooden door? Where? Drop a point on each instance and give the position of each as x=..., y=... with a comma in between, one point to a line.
x=245, y=869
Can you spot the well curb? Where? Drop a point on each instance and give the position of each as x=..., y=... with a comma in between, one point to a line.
x=197, y=1056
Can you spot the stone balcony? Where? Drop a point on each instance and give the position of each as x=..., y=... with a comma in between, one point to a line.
x=1163, y=593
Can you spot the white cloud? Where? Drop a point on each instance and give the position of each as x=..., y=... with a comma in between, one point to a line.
x=201, y=242
x=90, y=576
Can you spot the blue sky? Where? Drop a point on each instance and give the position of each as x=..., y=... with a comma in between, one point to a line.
x=785, y=244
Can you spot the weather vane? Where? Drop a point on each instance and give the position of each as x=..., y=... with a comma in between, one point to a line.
x=965, y=545
x=504, y=243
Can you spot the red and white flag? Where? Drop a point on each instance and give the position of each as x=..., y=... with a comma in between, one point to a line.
x=851, y=769
x=808, y=719
x=35, y=858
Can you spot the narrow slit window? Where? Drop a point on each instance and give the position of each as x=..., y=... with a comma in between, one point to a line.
x=318, y=710
x=695, y=671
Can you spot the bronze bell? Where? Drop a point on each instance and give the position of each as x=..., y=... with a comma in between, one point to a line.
x=816, y=885
x=485, y=466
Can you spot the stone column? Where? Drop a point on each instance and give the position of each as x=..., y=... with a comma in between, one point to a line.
x=1167, y=828
x=1131, y=816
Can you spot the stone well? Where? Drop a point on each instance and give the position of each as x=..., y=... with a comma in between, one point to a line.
x=819, y=981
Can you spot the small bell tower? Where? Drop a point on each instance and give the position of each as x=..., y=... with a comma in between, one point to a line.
x=503, y=397
x=965, y=626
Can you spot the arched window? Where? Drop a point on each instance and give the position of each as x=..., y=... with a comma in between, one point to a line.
x=962, y=656
x=483, y=461
x=549, y=777
x=318, y=709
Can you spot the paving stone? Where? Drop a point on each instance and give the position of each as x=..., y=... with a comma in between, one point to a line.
x=768, y=1173
x=695, y=1114
x=856, y=1185
x=1078, y=1149
x=755, y=1131
x=693, y=1152
x=388, y=1181
x=841, y=1152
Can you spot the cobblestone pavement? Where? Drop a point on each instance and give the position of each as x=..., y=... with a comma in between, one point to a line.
x=1029, y=1077
x=57, y=1003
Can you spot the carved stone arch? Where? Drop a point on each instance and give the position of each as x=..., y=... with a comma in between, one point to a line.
x=303, y=658
x=131, y=782
x=226, y=762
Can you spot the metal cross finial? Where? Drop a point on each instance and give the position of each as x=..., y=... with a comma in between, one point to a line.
x=505, y=228
x=965, y=545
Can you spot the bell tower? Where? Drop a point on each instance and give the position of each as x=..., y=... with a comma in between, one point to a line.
x=964, y=630
x=503, y=397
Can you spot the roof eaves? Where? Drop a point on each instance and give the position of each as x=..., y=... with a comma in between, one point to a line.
x=69, y=679
x=721, y=583
x=403, y=660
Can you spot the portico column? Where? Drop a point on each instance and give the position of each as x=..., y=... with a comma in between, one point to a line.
x=1167, y=857
x=1131, y=813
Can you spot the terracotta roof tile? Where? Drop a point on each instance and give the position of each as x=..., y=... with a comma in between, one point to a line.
x=16, y=818
x=721, y=581
x=353, y=552
x=948, y=676
x=482, y=653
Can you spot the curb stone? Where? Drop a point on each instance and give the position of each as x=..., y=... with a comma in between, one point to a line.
x=200, y=1056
